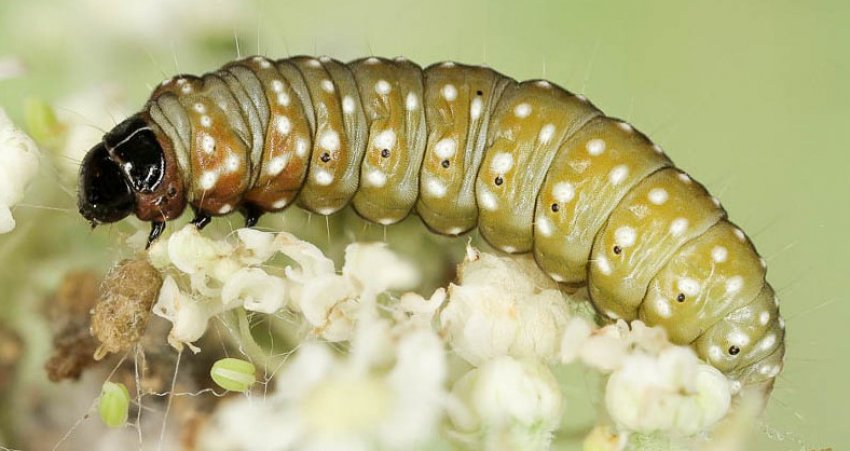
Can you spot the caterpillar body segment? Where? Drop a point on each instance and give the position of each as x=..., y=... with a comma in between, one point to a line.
x=530, y=123
x=459, y=102
x=600, y=164
x=535, y=167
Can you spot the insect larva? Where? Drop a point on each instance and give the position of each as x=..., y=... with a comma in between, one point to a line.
x=536, y=168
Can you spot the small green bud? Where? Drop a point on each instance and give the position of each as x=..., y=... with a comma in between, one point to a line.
x=233, y=374
x=114, y=404
x=42, y=123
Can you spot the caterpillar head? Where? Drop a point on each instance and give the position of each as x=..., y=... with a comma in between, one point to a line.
x=129, y=172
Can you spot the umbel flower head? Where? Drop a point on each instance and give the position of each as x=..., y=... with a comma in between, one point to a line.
x=473, y=365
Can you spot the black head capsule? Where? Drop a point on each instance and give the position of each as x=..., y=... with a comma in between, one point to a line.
x=128, y=161
x=105, y=194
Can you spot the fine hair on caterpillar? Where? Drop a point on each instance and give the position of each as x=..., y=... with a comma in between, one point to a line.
x=536, y=168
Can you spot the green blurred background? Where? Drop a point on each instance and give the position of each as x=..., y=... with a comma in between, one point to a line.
x=750, y=97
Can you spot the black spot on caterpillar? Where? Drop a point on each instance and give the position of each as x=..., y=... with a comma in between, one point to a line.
x=533, y=166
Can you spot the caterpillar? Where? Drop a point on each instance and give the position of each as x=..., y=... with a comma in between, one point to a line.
x=536, y=168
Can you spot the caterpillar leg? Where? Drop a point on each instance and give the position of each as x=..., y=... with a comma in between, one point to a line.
x=157, y=227
x=252, y=214
x=201, y=219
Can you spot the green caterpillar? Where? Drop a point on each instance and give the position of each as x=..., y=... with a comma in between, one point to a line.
x=534, y=167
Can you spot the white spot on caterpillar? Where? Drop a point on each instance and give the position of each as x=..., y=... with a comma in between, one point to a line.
x=181, y=81
x=522, y=110
x=449, y=92
x=329, y=140
x=411, y=102
x=314, y=63
x=773, y=371
x=595, y=146
x=283, y=99
x=327, y=86
x=445, y=148
x=325, y=59
x=301, y=148
x=611, y=314
x=678, y=226
x=208, y=144
x=719, y=254
x=625, y=126
x=737, y=338
x=502, y=162
x=543, y=84
x=657, y=149
x=382, y=87
x=283, y=125
x=685, y=178
x=232, y=162
x=448, y=64
x=206, y=121
x=372, y=60
x=276, y=165
x=186, y=89
x=348, y=105
x=385, y=139
x=764, y=318
x=563, y=192
x=781, y=323
x=208, y=180
x=475, y=109
x=767, y=342
x=557, y=277
x=581, y=98
x=715, y=201
x=658, y=196
x=734, y=284
x=265, y=64
x=280, y=203
x=277, y=86
x=327, y=211
x=763, y=262
x=618, y=174
x=509, y=249
x=199, y=108
x=226, y=208
x=436, y=188
x=323, y=177
x=715, y=353
x=604, y=266
x=662, y=307
x=740, y=234
x=455, y=231
x=377, y=178
x=625, y=236
x=688, y=286
x=546, y=133
x=386, y=221
x=487, y=201
x=544, y=226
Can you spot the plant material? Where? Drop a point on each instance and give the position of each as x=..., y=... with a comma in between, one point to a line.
x=126, y=296
x=233, y=374
x=114, y=404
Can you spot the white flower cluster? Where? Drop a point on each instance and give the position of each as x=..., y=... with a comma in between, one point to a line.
x=223, y=276
x=505, y=317
x=18, y=166
x=387, y=393
x=654, y=386
x=506, y=320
